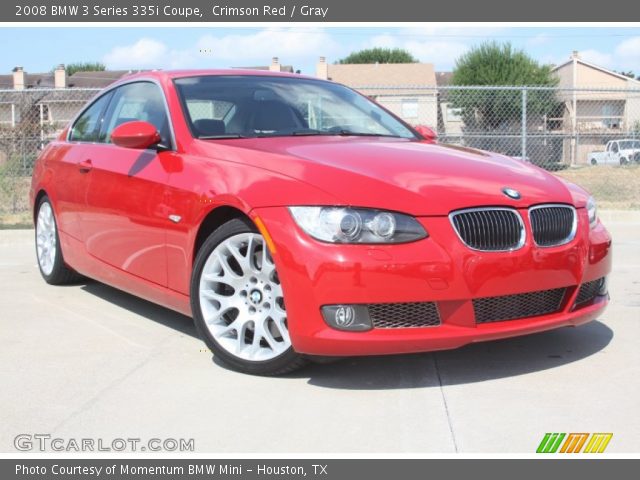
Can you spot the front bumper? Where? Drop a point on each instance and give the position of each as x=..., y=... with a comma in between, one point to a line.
x=437, y=269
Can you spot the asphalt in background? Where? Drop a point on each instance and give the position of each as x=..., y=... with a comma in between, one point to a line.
x=89, y=361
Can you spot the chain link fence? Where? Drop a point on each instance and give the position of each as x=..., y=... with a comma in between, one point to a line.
x=590, y=136
x=547, y=126
x=29, y=119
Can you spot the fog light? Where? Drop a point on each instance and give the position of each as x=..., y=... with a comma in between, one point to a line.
x=347, y=317
x=604, y=286
x=344, y=316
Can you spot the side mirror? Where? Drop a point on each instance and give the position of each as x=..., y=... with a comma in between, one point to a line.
x=137, y=134
x=427, y=133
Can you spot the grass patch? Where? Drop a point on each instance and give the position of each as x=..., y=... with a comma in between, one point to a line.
x=16, y=221
x=14, y=196
x=614, y=187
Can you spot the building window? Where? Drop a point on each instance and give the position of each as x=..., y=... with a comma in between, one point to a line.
x=409, y=108
x=609, y=118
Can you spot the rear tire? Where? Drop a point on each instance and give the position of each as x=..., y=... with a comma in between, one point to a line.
x=594, y=162
x=623, y=161
x=237, y=303
x=48, y=250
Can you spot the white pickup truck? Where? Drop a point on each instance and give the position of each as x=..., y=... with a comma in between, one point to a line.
x=617, y=152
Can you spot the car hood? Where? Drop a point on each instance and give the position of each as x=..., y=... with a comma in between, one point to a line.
x=401, y=175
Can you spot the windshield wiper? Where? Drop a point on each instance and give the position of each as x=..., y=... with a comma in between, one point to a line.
x=308, y=131
x=343, y=133
x=349, y=133
x=223, y=136
x=299, y=133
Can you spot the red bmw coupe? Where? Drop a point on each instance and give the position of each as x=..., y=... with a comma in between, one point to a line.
x=293, y=217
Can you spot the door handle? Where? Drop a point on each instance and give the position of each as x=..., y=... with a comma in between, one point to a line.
x=85, y=166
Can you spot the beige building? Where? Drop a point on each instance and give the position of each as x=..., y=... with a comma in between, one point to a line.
x=406, y=89
x=35, y=107
x=45, y=98
x=592, y=117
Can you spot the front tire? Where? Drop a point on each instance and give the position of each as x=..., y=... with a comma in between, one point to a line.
x=237, y=302
x=48, y=250
x=623, y=161
x=594, y=162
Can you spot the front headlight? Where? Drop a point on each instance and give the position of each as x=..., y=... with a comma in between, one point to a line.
x=592, y=211
x=357, y=225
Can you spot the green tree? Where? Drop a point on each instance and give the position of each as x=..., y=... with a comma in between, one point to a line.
x=380, y=55
x=495, y=63
x=85, y=67
x=494, y=111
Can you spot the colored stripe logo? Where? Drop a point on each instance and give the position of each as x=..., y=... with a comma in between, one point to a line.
x=574, y=443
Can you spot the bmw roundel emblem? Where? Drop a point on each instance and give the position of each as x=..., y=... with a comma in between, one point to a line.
x=511, y=193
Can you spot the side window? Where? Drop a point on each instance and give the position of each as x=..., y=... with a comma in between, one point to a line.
x=137, y=101
x=90, y=121
x=614, y=147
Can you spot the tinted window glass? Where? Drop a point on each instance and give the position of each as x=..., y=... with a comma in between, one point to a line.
x=137, y=101
x=629, y=144
x=261, y=106
x=88, y=124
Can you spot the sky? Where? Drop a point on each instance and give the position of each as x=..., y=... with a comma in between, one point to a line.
x=39, y=49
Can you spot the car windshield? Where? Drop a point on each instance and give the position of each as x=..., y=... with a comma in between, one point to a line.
x=239, y=106
x=629, y=144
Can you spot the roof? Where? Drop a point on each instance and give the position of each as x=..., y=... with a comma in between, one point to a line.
x=283, y=68
x=171, y=74
x=38, y=80
x=597, y=67
x=31, y=80
x=96, y=79
x=444, y=79
x=231, y=71
x=6, y=81
x=385, y=75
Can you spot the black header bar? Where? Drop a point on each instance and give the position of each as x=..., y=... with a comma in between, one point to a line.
x=167, y=11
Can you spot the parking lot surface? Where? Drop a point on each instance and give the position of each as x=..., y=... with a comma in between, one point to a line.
x=89, y=361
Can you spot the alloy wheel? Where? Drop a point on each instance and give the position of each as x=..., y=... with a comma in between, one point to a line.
x=46, y=238
x=241, y=299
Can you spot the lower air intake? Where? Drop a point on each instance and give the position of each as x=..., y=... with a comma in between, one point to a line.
x=513, y=307
x=404, y=315
x=588, y=292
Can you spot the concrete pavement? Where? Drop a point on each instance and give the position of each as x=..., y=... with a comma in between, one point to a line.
x=90, y=361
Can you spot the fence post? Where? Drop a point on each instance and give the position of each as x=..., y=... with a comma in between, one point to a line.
x=523, y=150
x=41, y=123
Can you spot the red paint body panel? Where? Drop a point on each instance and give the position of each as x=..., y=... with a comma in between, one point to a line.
x=135, y=135
x=113, y=205
x=125, y=213
x=439, y=268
